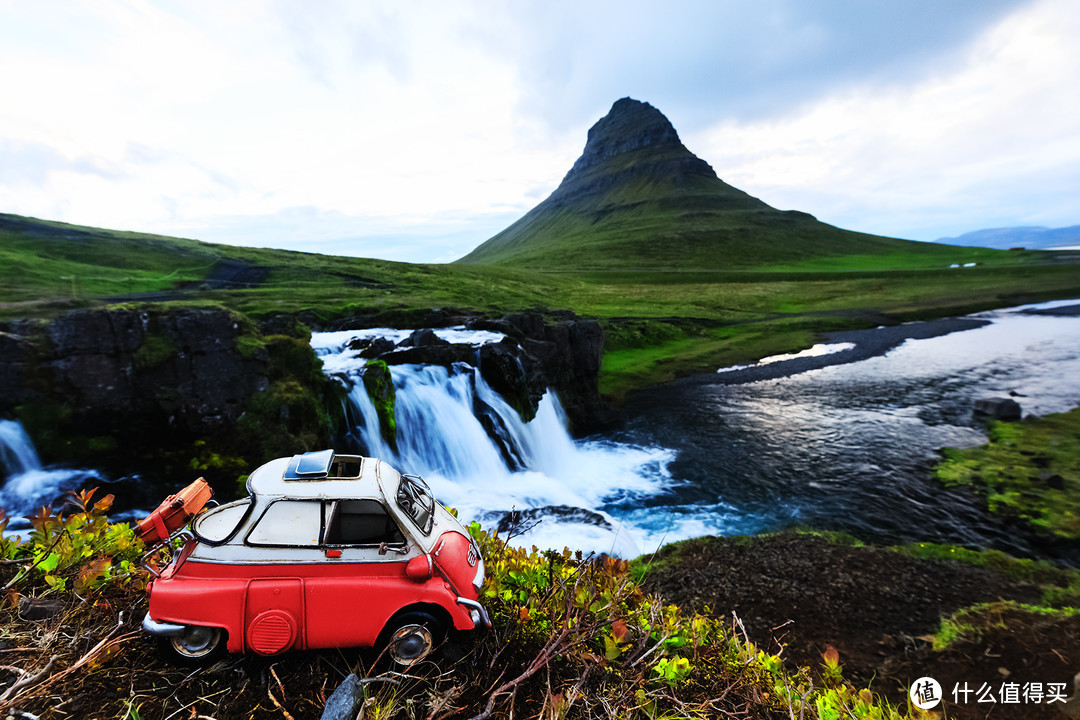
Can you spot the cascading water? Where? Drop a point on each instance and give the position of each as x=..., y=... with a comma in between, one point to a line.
x=27, y=485
x=479, y=457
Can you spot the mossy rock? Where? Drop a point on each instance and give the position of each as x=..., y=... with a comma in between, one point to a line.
x=1029, y=470
x=156, y=349
x=380, y=388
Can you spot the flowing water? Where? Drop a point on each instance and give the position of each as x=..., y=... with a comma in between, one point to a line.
x=848, y=446
x=27, y=485
x=479, y=457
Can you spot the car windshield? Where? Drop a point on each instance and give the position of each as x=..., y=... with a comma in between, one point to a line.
x=414, y=497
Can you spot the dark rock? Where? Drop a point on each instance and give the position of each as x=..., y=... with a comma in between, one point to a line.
x=31, y=608
x=630, y=126
x=1053, y=481
x=16, y=361
x=344, y=701
x=998, y=408
x=371, y=347
x=517, y=376
x=569, y=352
x=128, y=391
x=424, y=337
x=182, y=368
x=445, y=355
x=518, y=521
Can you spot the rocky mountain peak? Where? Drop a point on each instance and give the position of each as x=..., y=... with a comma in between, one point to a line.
x=629, y=125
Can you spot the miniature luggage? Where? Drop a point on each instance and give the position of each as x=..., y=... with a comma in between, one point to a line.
x=174, y=513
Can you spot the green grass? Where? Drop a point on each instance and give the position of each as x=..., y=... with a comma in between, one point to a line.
x=694, y=320
x=42, y=259
x=970, y=623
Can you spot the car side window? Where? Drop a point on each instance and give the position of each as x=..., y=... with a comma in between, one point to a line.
x=414, y=497
x=361, y=522
x=291, y=523
x=217, y=525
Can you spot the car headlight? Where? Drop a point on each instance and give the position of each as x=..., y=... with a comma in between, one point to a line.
x=478, y=579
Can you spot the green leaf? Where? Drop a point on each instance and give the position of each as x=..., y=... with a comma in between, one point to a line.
x=50, y=563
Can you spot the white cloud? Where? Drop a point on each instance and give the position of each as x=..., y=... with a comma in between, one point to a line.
x=278, y=123
x=995, y=141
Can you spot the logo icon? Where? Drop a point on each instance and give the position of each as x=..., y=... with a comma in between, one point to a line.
x=925, y=693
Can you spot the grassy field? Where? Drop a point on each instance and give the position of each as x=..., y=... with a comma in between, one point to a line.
x=660, y=324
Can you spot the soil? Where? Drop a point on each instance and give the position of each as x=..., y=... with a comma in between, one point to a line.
x=799, y=594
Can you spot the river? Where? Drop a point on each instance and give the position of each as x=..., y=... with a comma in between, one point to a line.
x=846, y=444
x=850, y=446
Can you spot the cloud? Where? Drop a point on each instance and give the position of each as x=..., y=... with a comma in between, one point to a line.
x=311, y=229
x=995, y=139
x=33, y=163
x=394, y=120
x=702, y=61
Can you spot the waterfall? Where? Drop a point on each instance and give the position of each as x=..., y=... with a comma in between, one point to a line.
x=17, y=453
x=480, y=457
x=27, y=485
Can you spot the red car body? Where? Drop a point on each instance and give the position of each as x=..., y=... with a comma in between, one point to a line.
x=327, y=551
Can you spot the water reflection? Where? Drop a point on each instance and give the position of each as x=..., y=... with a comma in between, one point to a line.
x=850, y=446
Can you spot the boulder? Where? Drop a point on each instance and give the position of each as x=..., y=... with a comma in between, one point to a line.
x=424, y=337
x=344, y=701
x=999, y=408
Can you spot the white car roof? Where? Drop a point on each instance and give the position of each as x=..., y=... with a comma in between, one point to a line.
x=325, y=475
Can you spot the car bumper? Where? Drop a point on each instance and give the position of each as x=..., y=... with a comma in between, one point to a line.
x=154, y=627
x=477, y=612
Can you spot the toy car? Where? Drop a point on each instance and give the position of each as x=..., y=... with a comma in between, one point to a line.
x=327, y=551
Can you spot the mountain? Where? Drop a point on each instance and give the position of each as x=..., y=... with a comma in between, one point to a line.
x=637, y=198
x=1030, y=238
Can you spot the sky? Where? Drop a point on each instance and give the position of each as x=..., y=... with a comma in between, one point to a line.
x=416, y=130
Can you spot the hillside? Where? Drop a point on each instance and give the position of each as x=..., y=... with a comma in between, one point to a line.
x=637, y=198
x=1030, y=238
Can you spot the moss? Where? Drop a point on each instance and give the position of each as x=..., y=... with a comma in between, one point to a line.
x=297, y=412
x=970, y=623
x=1029, y=470
x=250, y=346
x=44, y=420
x=380, y=388
x=212, y=464
x=56, y=438
x=155, y=350
x=284, y=419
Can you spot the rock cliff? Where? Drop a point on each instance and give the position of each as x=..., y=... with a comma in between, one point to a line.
x=120, y=387
x=206, y=390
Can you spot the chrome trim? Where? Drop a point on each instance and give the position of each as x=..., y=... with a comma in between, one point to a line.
x=144, y=563
x=473, y=604
x=154, y=627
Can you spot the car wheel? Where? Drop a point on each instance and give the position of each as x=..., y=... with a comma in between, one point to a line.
x=411, y=637
x=198, y=645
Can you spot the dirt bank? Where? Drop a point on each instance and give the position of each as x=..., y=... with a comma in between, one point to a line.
x=878, y=608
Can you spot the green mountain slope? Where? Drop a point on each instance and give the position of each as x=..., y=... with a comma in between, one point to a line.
x=41, y=258
x=638, y=199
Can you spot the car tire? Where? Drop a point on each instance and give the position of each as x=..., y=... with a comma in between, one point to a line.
x=197, y=646
x=411, y=637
